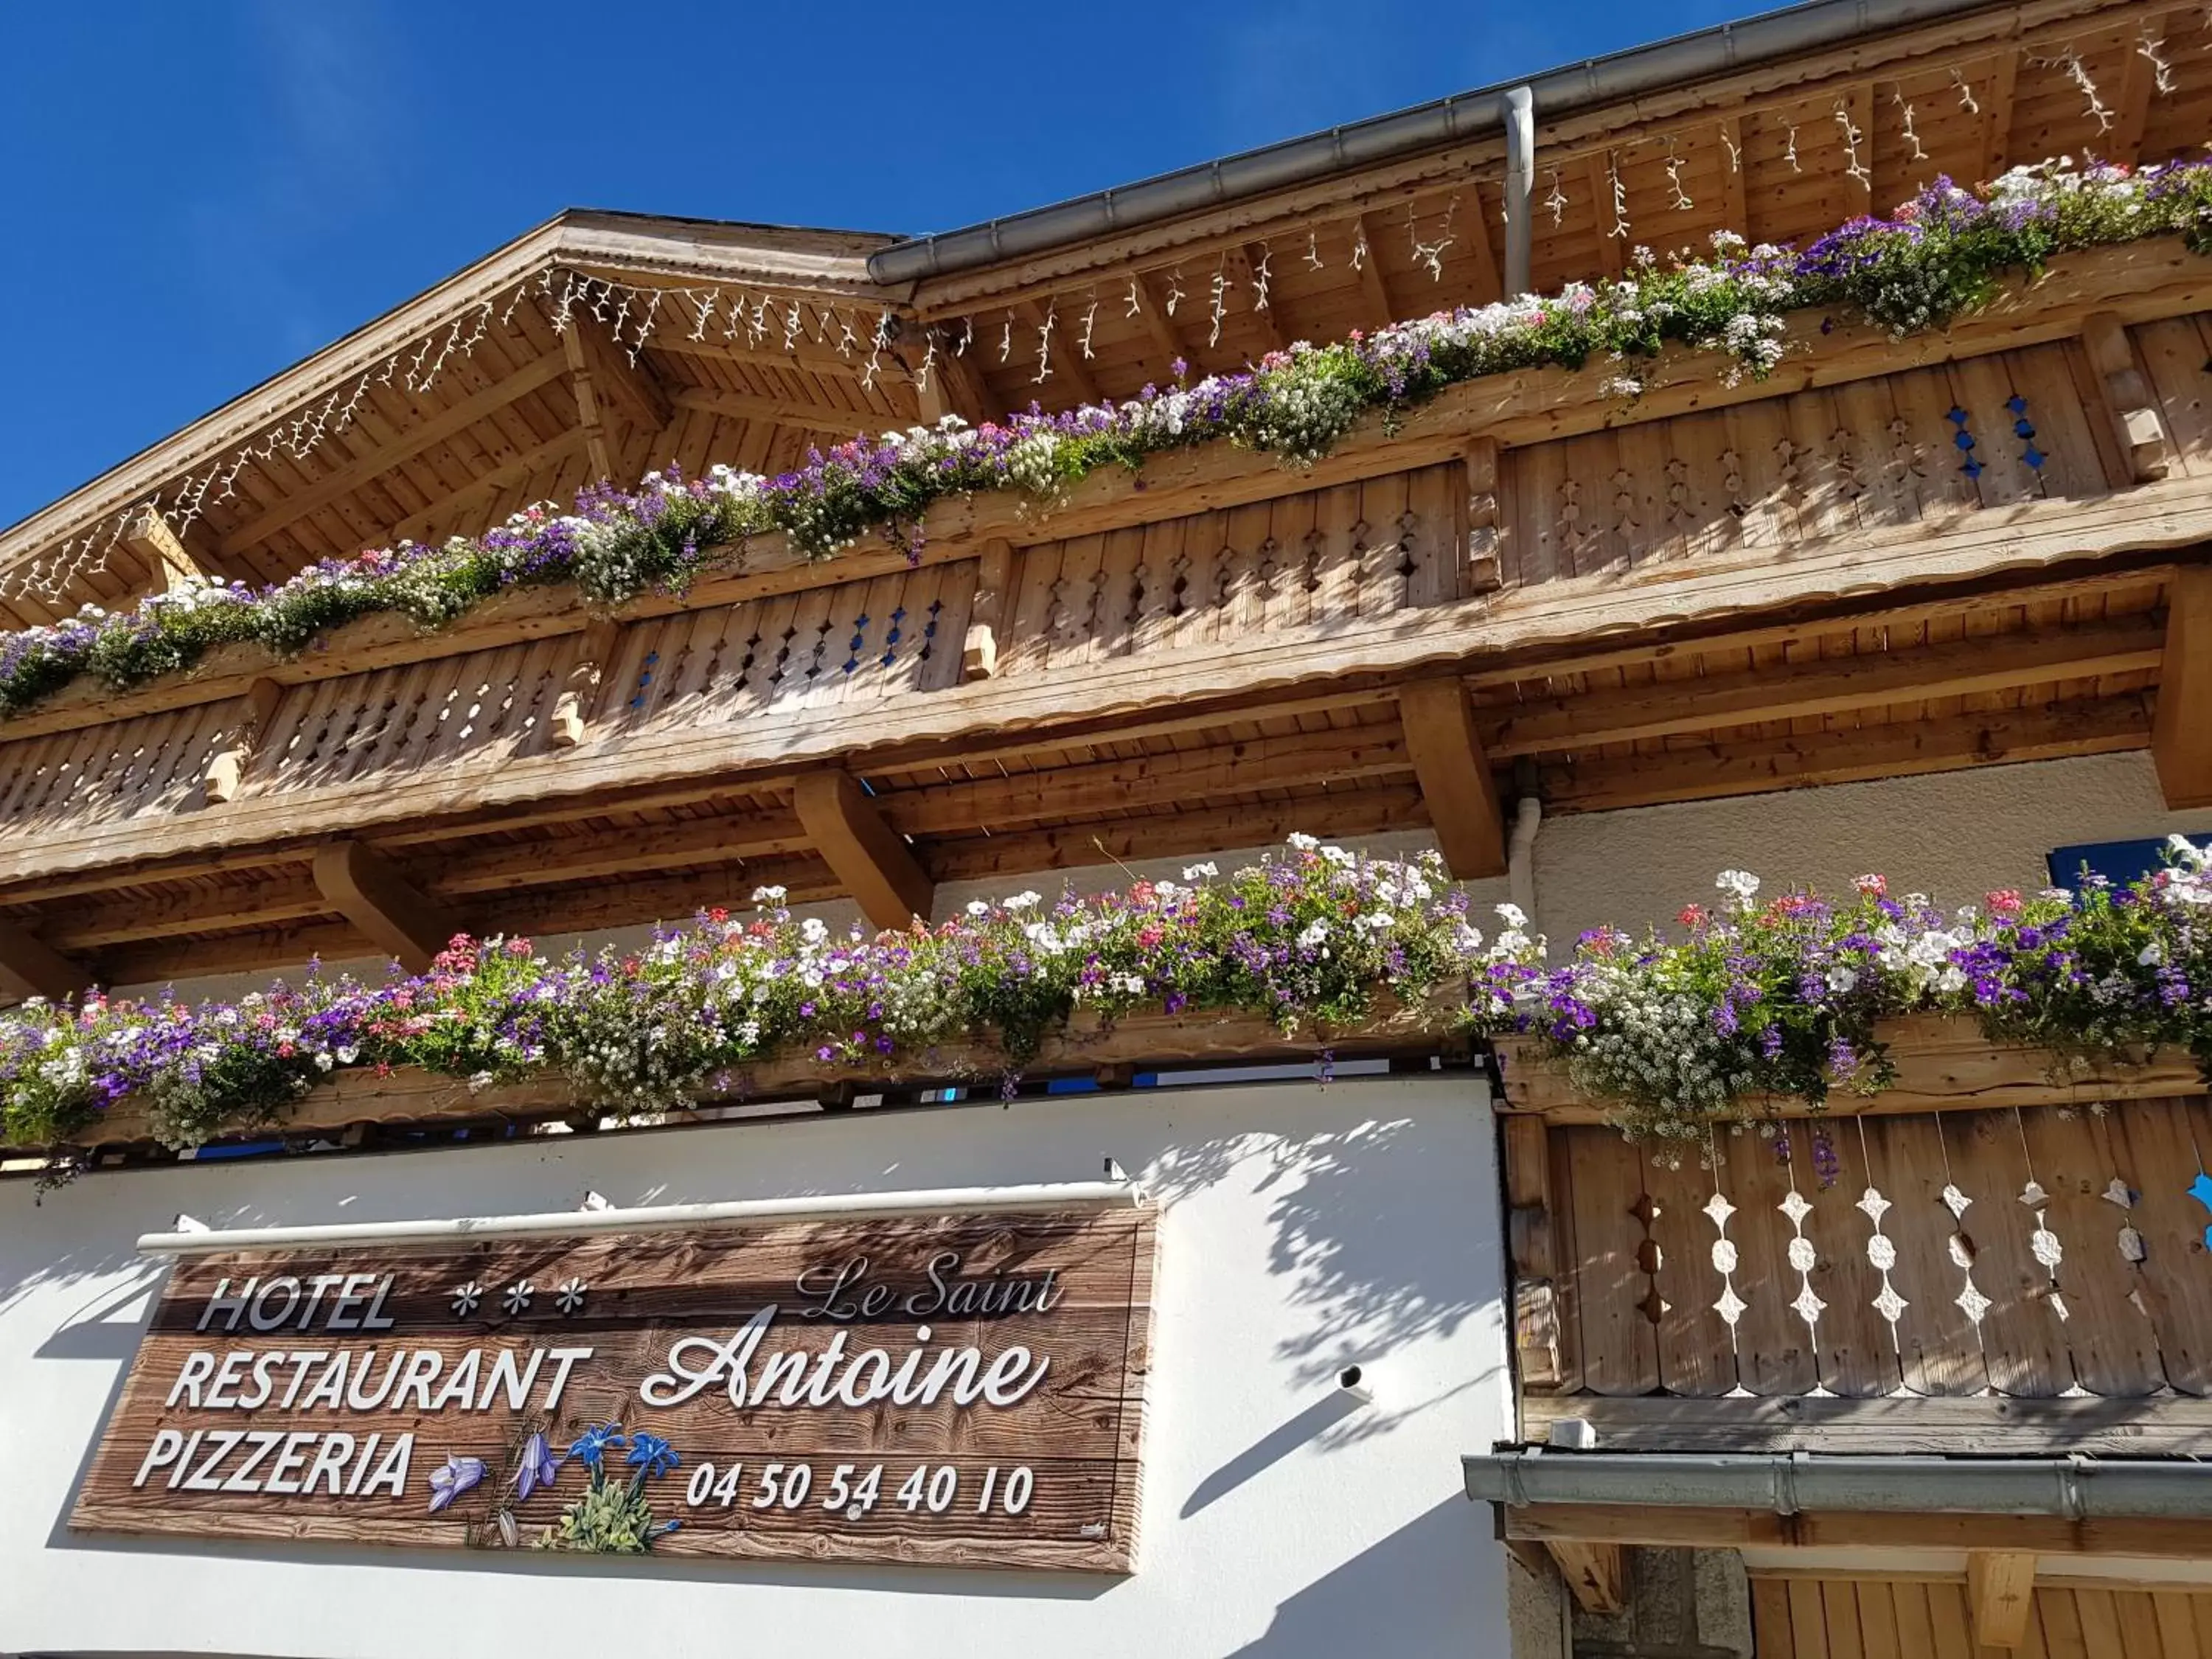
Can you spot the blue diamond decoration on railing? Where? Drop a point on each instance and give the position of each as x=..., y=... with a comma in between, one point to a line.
x=1965, y=440
x=1957, y=416
x=2017, y=403
x=2034, y=457
x=2201, y=1190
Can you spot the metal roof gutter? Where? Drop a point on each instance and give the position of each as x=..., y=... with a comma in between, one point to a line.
x=2076, y=1487
x=1617, y=76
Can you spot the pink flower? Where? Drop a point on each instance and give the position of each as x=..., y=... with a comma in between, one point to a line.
x=2005, y=902
x=1692, y=915
x=1873, y=886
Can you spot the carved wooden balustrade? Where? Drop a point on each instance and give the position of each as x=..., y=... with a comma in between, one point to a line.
x=1986, y=1257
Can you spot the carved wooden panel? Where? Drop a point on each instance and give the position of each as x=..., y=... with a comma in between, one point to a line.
x=1355, y=552
x=951, y=1389
x=1919, y=446
x=2036, y=1253
x=819, y=648
x=146, y=767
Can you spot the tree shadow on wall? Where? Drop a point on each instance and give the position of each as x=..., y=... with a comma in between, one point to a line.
x=1385, y=1236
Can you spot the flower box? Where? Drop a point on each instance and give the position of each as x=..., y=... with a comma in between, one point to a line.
x=1943, y=1063
x=412, y=1097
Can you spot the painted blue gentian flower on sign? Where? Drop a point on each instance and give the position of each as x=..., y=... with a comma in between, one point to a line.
x=539, y=1466
x=592, y=1445
x=460, y=1474
x=650, y=1453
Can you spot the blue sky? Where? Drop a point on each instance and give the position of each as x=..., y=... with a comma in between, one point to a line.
x=203, y=192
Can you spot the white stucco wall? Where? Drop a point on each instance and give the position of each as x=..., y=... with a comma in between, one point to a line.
x=1302, y=1229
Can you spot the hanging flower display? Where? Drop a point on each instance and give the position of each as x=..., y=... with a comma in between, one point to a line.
x=1754, y=996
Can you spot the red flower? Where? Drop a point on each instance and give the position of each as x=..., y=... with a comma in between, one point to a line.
x=1873, y=886
x=1142, y=892
x=2005, y=902
x=1150, y=937
x=1692, y=915
x=718, y=915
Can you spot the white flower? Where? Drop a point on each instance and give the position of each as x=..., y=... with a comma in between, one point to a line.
x=1303, y=844
x=1740, y=883
x=977, y=908
x=2151, y=955
x=1513, y=915
x=814, y=930
x=1338, y=857
x=1021, y=901
x=769, y=894
x=1199, y=871
x=1315, y=932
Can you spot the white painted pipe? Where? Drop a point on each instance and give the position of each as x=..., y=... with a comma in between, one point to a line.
x=1521, y=858
x=1519, y=188
x=1045, y=1195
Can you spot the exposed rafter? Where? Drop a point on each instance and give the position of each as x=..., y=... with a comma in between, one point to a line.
x=417, y=438
x=398, y=917
x=869, y=856
x=31, y=968
x=1454, y=774
x=150, y=537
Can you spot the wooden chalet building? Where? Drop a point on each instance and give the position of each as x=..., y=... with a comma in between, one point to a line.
x=1592, y=648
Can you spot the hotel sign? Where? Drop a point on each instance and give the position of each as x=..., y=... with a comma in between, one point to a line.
x=963, y=1390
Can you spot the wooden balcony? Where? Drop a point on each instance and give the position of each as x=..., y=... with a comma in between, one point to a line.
x=1713, y=590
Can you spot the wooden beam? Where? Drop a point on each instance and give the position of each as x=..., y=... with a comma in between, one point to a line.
x=398, y=917
x=1167, y=339
x=1873, y=679
x=225, y=768
x=1242, y=266
x=587, y=402
x=594, y=855
x=1455, y=781
x=412, y=441
x=868, y=856
x=954, y=385
x=2131, y=109
x=615, y=376
x=745, y=406
x=979, y=651
x=1995, y=93
x=1739, y=202
x=2000, y=1596
x=2130, y=403
x=1373, y=284
x=1597, y=1574
x=579, y=690
x=1481, y=557
x=1734, y=765
x=148, y=535
x=1066, y=367
x=488, y=486
x=31, y=968
x=1598, y=171
x=2181, y=732
x=1529, y=1232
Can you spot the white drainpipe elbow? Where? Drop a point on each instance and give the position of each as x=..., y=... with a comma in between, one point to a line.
x=1521, y=857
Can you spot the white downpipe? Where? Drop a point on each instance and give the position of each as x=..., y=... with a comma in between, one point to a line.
x=1044, y=1195
x=1520, y=859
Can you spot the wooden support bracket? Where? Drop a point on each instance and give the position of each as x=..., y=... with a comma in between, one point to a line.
x=867, y=856
x=1597, y=1574
x=580, y=693
x=31, y=968
x=226, y=768
x=2128, y=400
x=1481, y=540
x=952, y=388
x=2181, y=727
x=149, y=536
x=2000, y=1594
x=1454, y=776
x=362, y=886
x=979, y=653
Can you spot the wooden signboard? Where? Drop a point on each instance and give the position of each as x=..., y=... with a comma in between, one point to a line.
x=964, y=1390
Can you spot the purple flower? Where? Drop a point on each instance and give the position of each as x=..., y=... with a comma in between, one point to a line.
x=459, y=1474
x=539, y=1468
